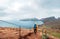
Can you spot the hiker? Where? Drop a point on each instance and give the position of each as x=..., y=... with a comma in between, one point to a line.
x=35, y=28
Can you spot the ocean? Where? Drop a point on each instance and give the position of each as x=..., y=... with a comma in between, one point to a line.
x=20, y=24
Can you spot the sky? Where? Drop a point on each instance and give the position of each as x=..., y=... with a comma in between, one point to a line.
x=21, y=9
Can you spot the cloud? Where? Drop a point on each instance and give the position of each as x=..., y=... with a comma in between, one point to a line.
x=6, y=18
x=51, y=4
x=2, y=14
x=19, y=9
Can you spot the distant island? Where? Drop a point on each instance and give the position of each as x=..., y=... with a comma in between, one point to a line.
x=30, y=19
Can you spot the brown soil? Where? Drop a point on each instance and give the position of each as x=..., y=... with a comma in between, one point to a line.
x=15, y=33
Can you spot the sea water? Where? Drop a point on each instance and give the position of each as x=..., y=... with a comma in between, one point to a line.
x=20, y=24
x=29, y=24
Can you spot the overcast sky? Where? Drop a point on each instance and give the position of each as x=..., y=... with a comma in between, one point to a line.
x=20, y=9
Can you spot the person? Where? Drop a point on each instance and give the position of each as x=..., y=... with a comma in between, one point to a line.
x=35, y=28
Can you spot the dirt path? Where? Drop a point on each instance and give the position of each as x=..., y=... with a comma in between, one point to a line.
x=31, y=36
x=35, y=36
